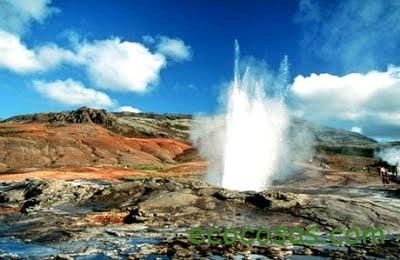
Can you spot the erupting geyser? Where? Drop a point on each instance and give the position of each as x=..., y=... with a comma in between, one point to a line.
x=254, y=129
x=247, y=147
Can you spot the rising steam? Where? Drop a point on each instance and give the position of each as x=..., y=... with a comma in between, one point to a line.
x=245, y=146
x=390, y=155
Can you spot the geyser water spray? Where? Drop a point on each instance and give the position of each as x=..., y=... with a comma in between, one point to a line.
x=255, y=128
x=246, y=146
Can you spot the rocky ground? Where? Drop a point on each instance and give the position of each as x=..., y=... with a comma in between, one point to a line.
x=148, y=215
x=89, y=184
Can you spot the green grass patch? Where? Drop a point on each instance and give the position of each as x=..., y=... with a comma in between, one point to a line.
x=148, y=168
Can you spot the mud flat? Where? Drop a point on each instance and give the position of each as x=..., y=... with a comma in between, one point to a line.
x=148, y=217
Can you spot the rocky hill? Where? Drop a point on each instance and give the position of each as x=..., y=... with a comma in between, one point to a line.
x=177, y=126
x=124, y=123
x=334, y=141
x=91, y=137
x=332, y=136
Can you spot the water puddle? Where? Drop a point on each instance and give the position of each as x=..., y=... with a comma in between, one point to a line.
x=102, y=248
x=17, y=247
x=137, y=242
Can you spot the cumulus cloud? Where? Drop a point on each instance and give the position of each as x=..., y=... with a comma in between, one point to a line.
x=111, y=63
x=175, y=49
x=17, y=57
x=356, y=129
x=121, y=65
x=369, y=100
x=128, y=109
x=74, y=93
x=351, y=35
x=16, y=15
x=50, y=56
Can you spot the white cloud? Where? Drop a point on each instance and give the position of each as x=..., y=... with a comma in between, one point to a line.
x=72, y=93
x=128, y=109
x=121, y=65
x=351, y=96
x=356, y=129
x=50, y=56
x=111, y=64
x=175, y=49
x=16, y=15
x=17, y=57
x=372, y=100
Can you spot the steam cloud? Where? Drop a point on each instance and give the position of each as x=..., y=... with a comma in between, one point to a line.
x=390, y=155
x=236, y=150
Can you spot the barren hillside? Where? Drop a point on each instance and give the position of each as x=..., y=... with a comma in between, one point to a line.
x=89, y=137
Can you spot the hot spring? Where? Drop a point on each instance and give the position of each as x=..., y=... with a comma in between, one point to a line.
x=245, y=145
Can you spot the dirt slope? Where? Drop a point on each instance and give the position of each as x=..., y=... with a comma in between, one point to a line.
x=38, y=145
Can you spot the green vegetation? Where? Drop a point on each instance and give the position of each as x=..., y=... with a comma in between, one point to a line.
x=147, y=168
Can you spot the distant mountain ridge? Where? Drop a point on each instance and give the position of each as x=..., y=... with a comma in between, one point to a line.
x=127, y=124
x=95, y=137
x=177, y=126
x=333, y=136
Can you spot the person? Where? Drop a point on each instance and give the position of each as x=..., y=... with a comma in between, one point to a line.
x=384, y=173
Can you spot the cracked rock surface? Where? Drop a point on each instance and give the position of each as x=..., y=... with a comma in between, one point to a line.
x=57, y=214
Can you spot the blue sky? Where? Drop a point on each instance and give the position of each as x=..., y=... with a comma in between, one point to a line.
x=174, y=56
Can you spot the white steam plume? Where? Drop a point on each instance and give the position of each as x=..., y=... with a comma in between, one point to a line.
x=248, y=146
x=390, y=155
